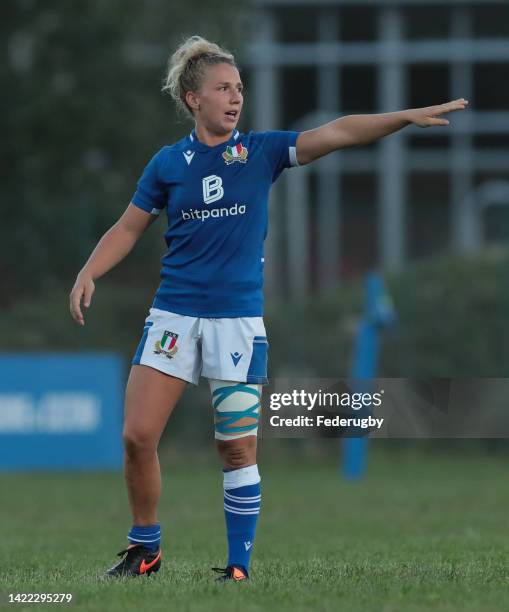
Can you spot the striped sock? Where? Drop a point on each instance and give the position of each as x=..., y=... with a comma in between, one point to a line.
x=242, y=498
x=148, y=535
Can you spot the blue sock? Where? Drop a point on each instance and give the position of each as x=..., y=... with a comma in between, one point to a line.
x=148, y=535
x=242, y=498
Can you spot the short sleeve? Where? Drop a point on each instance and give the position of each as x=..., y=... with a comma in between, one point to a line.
x=279, y=150
x=151, y=192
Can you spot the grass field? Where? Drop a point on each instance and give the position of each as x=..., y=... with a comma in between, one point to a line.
x=422, y=532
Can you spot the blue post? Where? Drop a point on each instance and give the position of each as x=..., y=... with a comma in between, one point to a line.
x=378, y=312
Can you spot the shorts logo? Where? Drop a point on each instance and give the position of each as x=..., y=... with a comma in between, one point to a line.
x=167, y=345
x=235, y=357
x=238, y=153
x=212, y=188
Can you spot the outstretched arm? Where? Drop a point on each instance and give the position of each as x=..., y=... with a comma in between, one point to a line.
x=355, y=130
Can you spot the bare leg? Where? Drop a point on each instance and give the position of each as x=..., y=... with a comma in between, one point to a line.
x=149, y=401
x=237, y=453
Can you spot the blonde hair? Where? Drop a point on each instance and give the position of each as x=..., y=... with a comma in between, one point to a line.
x=186, y=68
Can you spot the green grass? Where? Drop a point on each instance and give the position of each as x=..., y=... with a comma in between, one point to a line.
x=422, y=532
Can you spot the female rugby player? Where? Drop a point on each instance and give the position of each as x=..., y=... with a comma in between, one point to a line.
x=206, y=318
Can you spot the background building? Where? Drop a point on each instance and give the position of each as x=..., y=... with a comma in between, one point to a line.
x=420, y=192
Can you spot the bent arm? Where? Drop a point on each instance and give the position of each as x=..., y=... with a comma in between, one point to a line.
x=354, y=130
x=117, y=242
x=112, y=248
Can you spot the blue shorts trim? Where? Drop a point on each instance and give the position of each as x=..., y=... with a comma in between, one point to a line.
x=257, y=372
x=141, y=345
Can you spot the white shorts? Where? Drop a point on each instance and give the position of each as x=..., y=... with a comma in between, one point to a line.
x=190, y=347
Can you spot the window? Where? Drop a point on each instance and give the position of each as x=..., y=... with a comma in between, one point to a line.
x=490, y=20
x=298, y=94
x=426, y=22
x=427, y=214
x=296, y=25
x=358, y=89
x=491, y=86
x=357, y=23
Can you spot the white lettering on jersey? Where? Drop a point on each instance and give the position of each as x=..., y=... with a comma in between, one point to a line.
x=203, y=215
x=212, y=188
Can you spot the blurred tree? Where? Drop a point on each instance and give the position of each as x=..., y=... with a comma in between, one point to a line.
x=81, y=114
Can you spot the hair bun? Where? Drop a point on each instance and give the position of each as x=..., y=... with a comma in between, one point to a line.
x=186, y=67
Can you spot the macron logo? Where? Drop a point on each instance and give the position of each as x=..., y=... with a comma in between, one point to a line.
x=248, y=545
x=236, y=358
x=189, y=156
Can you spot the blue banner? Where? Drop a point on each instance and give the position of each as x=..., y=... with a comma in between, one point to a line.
x=60, y=411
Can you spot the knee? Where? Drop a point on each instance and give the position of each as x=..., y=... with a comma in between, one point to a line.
x=137, y=442
x=239, y=453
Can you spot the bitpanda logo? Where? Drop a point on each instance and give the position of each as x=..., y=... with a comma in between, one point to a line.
x=213, y=191
x=212, y=188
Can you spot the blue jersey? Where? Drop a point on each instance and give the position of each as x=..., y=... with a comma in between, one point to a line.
x=216, y=202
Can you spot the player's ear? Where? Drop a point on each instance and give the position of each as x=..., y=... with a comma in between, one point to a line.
x=192, y=100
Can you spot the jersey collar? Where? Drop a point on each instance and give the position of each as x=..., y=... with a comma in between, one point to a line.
x=199, y=146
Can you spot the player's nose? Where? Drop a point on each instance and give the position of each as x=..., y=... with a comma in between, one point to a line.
x=236, y=98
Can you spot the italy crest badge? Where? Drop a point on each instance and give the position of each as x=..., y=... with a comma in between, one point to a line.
x=238, y=153
x=167, y=348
